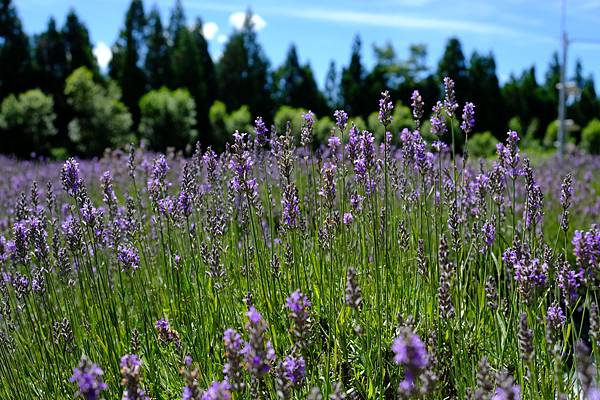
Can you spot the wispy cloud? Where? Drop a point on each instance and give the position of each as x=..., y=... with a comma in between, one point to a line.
x=237, y=19
x=512, y=24
x=399, y=21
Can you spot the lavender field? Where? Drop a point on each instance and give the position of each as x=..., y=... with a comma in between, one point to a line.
x=366, y=268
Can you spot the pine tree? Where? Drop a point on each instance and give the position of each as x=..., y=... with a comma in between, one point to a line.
x=125, y=66
x=15, y=58
x=78, y=48
x=486, y=94
x=176, y=23
x=294, y=85
x=50, y=59
x=157, y=64
x=453, y=65
x=243, y=72
x=193, y=69
x=332, y=87
x=352, y=83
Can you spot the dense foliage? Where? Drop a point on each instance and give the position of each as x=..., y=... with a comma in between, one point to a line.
x=26, y=122
x=148, y=55
x=168, y=118
x=359, y=270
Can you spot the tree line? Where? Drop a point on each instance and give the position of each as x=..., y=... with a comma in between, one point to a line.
x=163, y=85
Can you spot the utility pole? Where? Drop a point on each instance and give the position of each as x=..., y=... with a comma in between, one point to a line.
x=562, y=98
x=566, y=89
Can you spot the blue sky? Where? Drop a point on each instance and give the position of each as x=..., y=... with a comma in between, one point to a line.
x=519, y=32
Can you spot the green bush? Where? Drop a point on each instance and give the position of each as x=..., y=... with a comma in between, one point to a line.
x=168, y=118
x=239, y=120
x=26, y=123
x=322, y=130
x=101, y=120
x=482, y=145
x=551, y=135
x=590, y=137
x=223, y=124
x=285, y=114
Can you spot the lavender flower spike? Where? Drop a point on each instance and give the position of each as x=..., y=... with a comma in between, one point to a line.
x=88, y=377
x=468, y=118
x=386, y=107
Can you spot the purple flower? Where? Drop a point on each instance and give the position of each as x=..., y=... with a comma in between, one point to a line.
x=260, y=132
x=514, y=393
x=450, y=103
x=328, y=177
x=555, y=317
x=184, y=203
x=130, y=361
x=295, y=369
x=308, y=120
x=569, y=282
x=162, y=325
x=468, y=118
x=508, y=155
x=290, y=205
x=438, y=119
x=233, y=352
x=217, y=391
x=299, y=306
x=356, y=201
x=130, y=371
x=333, y=143
x=88, y=377
x=258, y=352
x=241, y=163
x=410, y=352
x=489, y=234
x=417, y=107
x=386, y=107
x=341, y=119
x=128, y=258
x=160, y=168
x=108, y=193
x=586, y=247
x=71, y=180
x=348, y=218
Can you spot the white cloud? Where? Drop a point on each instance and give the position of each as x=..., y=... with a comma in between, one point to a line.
x=236, y=20
x=209, y=30
x=103, y=54
x=221, y=38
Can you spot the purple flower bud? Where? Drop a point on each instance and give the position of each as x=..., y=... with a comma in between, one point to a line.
x=218, y=391
x=71, y=180
x=348, y=218
x=88, y=377
x=450, y=103
x=417, y=107
x=386, y=107
x=468, y=118
x=341, y=119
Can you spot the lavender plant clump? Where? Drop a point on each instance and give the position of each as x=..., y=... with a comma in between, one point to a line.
x=386, y=263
